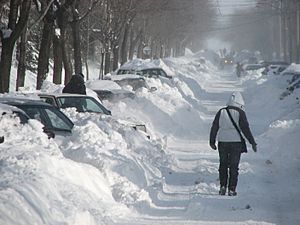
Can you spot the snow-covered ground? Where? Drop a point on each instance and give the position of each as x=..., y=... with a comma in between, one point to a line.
x=107, y=173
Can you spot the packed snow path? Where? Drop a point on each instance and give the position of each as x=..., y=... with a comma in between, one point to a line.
x=189, y=191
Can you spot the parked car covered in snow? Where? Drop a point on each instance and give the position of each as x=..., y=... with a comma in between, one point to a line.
x=86, y=104
x=250, y=67
x=15, y=112
x=292, y=73
x=55, y=122
x=272, y=67
x=82, y=103
x=275, y=69
x=109, y=90
x=125, y=77
x=154, y=72
x=292, y=76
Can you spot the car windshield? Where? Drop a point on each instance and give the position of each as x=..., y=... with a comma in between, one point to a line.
x=153, y=72
x=51, y=117
x=125, y=71
x=83, y=104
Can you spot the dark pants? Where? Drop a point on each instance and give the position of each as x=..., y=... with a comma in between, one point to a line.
x=230, y=154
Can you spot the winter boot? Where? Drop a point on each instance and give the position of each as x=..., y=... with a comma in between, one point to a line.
x=232, y=191
x=222, y=190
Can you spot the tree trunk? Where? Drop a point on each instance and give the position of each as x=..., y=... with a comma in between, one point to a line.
x=161, y=51
x=167, y=49
x=290, y=34
x=101, y=72
x=66, y=59
x=116, y=57
x=124, y=45
x=16, y=24
x=140, y=48
x=44, y=52
x=22, y=61
x=76, y=41
x=57, y=56
x=107, y=61
x=131, y=44
x=298, y=32
x=62, y=14
x=5, y=64
x=284, y=37
x=294, y=31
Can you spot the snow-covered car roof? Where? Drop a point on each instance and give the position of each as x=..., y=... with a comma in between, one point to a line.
x=125, y=76
x=103, y=85
x=292, y=69
x=109, y=90
x=61, y=94
x=9, y=108
x=138, y=64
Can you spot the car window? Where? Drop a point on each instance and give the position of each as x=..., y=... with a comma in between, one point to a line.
x=34, y=113
x=83, y=104
x=72, y=102
x=163, y=73
x=145, y=72
x=91, y=106
x=56, y=120
x=125, y=71
x=48, y=100
x=50, y=117
x=155, y=72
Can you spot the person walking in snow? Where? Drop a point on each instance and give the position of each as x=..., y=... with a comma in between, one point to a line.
x=75, y=85
x=239, y=69
x=227, y=126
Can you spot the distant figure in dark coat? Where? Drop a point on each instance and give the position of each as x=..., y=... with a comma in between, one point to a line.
x=239, y=69
x=75, y=85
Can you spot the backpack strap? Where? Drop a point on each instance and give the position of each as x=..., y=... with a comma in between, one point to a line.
x=234, y=124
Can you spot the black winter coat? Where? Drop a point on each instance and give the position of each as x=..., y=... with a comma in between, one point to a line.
x=75, y=86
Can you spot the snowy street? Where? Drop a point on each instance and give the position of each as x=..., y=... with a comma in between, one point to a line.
x=189, y=192
x=150, y=112
x=107, y=173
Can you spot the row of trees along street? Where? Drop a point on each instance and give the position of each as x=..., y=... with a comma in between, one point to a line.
x=67, y=34
x=272, y=26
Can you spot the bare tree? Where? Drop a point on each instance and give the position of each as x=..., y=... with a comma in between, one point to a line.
x=44, y=52
x=18, y=16
x=21, y=50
